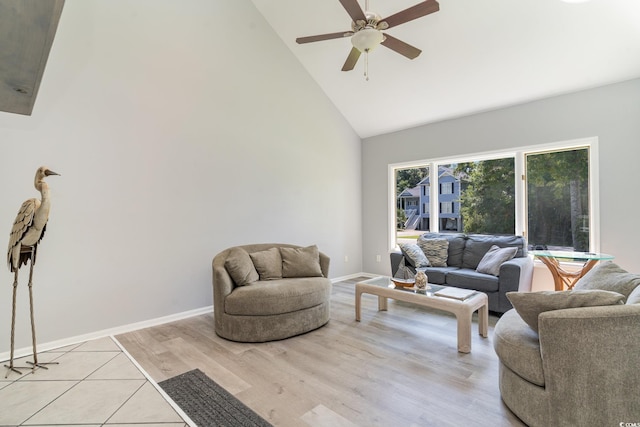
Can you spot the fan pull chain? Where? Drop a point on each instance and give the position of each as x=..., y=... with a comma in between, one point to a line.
x=366, y=64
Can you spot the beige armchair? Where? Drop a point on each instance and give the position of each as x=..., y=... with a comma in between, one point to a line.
x=581, y=367
x=284, y=300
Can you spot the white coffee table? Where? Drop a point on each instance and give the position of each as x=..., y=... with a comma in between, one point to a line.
x=384, y=288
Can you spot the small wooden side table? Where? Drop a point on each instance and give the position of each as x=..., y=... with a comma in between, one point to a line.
x=562, y=277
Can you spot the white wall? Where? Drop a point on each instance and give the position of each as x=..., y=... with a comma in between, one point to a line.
x=610, y=113
x=180, y=128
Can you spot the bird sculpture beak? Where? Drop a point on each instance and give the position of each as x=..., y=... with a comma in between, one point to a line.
x=50, y=172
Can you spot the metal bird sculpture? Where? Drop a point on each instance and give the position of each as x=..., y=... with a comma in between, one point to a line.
x=27, y=231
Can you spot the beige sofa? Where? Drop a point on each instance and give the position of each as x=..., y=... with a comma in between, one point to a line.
x=285, y=293
x=581, y=366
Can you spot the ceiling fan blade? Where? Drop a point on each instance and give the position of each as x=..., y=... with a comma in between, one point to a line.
x=401, y=47
x=320, y=37
x=354, y=10
x=414, y=12
x=351, y=60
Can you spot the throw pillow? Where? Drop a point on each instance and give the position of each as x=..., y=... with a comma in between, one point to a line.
x=530, y=304
x=268, y=264
x=634, y=296
x=609, y=277
x=436, y=250
x=301, y=262
x=493, y=259
x=240, y=267
x=414, y=254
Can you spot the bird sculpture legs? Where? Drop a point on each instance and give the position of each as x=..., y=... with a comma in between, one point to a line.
x=10, y=366
x=35, y=362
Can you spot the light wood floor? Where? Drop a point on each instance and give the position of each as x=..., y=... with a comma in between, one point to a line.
x=394, y=368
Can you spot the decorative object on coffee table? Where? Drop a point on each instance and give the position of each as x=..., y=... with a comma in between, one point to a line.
x=421, y=278
x=26, y=233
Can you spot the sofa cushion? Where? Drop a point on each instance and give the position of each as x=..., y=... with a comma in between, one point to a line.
x=493, y=259
x=300, y=262
x=414, y=254
x=438, y=275
x=240, y=267
x=609, y=277
x=268, y=263
x=518, y=347
x=479, y=244
x=530, y=304
x=471, y=279
x=265, y=298
x=436, y=250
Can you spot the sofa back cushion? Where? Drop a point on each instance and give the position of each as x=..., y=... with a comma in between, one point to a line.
x=478, y=245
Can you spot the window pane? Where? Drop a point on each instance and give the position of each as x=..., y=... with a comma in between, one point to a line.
x=412, y=197
x=487, y=197
x=558, y=200
x=449, y=199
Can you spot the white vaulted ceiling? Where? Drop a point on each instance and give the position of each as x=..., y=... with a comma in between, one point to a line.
x=477, y=55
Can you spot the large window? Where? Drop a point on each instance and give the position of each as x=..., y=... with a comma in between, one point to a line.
x=547, y=193
x=558, y=199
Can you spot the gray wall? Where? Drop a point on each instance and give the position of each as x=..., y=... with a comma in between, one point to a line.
x=180, y=128
x=611, y=113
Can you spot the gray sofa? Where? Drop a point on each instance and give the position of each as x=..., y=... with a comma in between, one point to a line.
x=581, y=367
x=464, y=255
x=274, y=308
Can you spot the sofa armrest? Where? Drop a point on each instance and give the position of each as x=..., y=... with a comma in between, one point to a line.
x=515, y=275
x=590, y=357
x=396, y=257
x=222, y=282
x=324, y=264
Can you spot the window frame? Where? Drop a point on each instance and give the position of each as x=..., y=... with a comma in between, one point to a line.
x=519, y=155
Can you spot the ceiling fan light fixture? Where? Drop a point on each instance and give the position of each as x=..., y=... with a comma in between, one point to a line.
x=367, y=39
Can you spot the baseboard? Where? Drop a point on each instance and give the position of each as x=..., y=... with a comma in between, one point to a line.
x=26, y=351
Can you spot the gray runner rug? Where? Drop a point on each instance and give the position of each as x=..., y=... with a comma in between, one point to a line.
x=208, y=404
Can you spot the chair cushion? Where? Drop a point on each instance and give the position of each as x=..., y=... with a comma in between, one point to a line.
x=414, y=254
x=518, y=347
x=265, y=298
x=609, y=277
x=268, y=264
x=300, y=262
x=493, y=259
x=471, y=279
x=530, y=304
x=240, y=267
x=436, y=250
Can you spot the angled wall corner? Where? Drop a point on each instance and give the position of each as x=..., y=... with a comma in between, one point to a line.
x=27, y=30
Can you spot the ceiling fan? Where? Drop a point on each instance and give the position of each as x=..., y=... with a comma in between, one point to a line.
x=366, y=30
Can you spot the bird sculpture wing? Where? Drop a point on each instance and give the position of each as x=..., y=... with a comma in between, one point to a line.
x=23, y=221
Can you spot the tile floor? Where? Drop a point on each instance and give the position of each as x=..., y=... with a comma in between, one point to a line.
x=94, y=384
